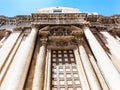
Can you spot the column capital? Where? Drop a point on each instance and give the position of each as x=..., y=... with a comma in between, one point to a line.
x=10, y=30
x=1, y=44
x=86, y=25
x=7, y=33
x=78, y=40
x=43, y=40
x=35, y=26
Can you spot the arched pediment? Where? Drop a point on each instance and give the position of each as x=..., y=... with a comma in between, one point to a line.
x=61, y=36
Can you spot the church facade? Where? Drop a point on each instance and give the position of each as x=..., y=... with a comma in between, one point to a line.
x=60, y=48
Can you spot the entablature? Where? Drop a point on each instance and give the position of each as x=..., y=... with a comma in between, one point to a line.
x=63, y=18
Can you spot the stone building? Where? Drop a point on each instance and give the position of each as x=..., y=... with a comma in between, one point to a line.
x=60, y=48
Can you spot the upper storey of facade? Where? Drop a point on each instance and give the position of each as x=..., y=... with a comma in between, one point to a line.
x=59, y=16
x=57, y=10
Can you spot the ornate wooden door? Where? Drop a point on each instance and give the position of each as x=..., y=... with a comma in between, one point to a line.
x=64, y=71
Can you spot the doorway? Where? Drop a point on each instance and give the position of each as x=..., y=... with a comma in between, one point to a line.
x=64, y=72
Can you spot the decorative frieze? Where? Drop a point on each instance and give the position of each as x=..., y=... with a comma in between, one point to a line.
x=64, y=18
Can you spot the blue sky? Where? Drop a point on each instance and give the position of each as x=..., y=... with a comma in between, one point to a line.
x=26, y=7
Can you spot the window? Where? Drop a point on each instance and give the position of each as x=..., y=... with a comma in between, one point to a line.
x=57, y=11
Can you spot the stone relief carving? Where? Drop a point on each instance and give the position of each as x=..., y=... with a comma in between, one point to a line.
x=60, y=32
x=61, y=36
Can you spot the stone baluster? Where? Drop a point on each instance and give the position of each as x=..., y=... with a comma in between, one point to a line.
x=38, y=80
x=17, y=72
x=108, y=70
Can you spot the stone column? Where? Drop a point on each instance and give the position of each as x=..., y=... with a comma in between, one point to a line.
x=10, y=59
x=81, y=72
x=38, y=80
x=118, y=38
x=17, y=73
x=98, y=73
x=92, y=79
x=114, y=47
x=108, y=70
x=7, y=47
x=47, y=83
x=7, y=33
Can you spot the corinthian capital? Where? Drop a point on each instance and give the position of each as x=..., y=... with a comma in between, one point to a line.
x=43, y=40
x=35, y=26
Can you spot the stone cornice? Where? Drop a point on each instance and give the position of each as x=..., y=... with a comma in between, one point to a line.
x=76, y=17
x=61, y=38
x=115, y=31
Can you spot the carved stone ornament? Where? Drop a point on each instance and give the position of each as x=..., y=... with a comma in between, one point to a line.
x=61, y=38
x=44, y=33
x=43, y=40
x=77, y=33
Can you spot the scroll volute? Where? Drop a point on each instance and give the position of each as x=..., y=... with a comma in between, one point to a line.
x=44, y=33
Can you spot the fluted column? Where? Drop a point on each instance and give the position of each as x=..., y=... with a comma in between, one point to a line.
x=10, y=59
x=17, y=73
x=38, y=80
x=81, y=72
x=7, y=33
x=118, y=38
x=7, y=47
x=47, y=83
x=108, y=70
x=114, y=47
x=98, y=73
x=92, y=79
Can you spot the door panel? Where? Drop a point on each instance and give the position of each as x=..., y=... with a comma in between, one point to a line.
x=64, y=71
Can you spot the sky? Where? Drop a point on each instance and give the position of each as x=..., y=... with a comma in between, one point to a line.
x=26, y=7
